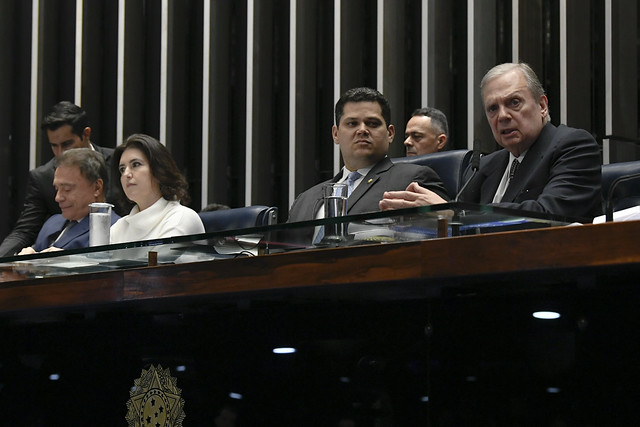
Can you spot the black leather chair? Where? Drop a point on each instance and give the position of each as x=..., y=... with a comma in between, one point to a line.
x=449, y=165
x=233, y=219
x=626, y=193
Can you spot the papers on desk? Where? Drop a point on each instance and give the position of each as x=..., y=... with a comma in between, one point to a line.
x=630, y=214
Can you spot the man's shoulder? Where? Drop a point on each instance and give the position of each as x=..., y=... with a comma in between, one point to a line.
x=53, y=220
x=105, y=151
x=559, y=139
x=46, y=170
x=413, y=167
x=409, y=169
x=564, y=133
x=314, y=189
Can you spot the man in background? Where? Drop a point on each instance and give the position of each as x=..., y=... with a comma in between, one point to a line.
x=67, y=127
x=79, y=180
x=427, y=131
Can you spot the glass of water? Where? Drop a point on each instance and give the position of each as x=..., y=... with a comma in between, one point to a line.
x=99, y=223
x=335, y=205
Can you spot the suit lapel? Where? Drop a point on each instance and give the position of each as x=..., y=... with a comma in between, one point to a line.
x=76, y=231
x=53, y=229
x=525, y=170
x=368, y=182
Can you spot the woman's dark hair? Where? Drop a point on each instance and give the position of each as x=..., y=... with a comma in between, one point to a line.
x=173, y=184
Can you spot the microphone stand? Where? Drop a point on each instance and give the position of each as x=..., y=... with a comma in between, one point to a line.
x=475, y=165
x=612, y=189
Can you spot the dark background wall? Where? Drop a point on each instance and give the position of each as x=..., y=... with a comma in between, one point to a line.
x=253, y=154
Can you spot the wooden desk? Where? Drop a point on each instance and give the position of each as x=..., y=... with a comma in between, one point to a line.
x=465, y=259
x=444, y=318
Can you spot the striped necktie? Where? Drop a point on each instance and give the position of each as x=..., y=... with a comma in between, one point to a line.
x=351, y=180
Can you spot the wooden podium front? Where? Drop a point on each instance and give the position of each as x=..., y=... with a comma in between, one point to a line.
x=432, y=332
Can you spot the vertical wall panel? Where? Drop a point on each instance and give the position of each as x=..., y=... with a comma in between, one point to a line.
x=487, y=51
x=394, y=63
x=625, y=75
x=206, y=99
x=579, y=81
x=100, y=70
x=441, y=75
x=184, y=91
x=15, y=33
x=77, y=90
x=227, y=100
x=56, y=57
x=269, y=141
x=314, y=95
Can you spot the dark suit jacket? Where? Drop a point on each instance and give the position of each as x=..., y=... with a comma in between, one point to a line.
x=40, y=204
x=561, y=174
x=74, y=238
x=384, y=176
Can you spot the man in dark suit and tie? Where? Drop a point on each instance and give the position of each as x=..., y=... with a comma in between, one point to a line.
x=363, y=131
x=543, y=168
x=80, y=179
x=67, y=127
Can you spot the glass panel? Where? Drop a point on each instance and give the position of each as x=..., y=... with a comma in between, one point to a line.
x=446, y=220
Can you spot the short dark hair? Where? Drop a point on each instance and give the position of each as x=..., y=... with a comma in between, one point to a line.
x=66, y=113
x=438, y=119
x=90, y=162
x=173, y=184
x=363, y=94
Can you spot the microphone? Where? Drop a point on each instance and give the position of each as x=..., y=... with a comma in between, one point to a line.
x=612, y=189
x=475, y=165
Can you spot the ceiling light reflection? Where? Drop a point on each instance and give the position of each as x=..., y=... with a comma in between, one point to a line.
x=546, y=315
x=284, y=350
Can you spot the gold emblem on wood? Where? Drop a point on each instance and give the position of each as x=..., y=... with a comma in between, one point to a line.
x=155, y=400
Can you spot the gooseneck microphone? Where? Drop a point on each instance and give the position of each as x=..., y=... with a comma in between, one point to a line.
x=475, y=165
x=612, y=190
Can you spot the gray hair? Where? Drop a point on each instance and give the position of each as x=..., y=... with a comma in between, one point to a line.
x=90, y=162
x=533, y=83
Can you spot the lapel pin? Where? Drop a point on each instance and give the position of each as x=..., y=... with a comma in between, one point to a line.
x=370, y=181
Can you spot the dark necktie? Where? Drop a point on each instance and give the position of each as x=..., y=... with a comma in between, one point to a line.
x=55, y=236
x=514, y=168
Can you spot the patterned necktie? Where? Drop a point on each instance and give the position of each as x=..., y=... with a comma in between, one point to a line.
x=351, y=180
x=514, y=168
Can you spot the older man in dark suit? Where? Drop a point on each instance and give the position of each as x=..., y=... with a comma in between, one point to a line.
x=543, y=168
x=79, y=180
x=363, y=132
x=67, y=127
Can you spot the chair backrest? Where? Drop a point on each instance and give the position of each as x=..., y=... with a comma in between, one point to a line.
x=449, y=165
x=626, y=193
x=233, y=219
